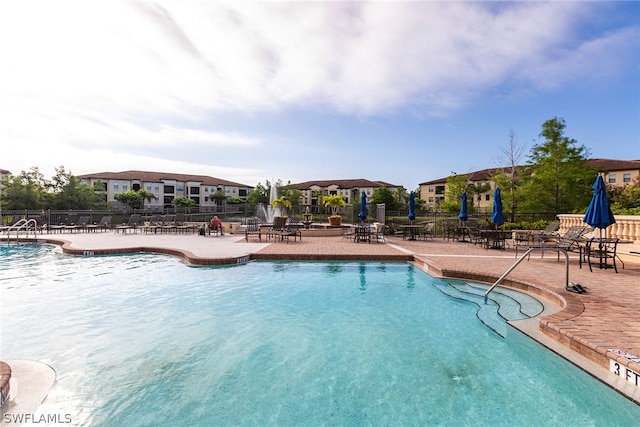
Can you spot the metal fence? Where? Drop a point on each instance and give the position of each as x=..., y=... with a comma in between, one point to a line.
x=239, y=213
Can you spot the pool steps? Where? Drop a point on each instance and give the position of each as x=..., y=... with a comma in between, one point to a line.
x=503, y=306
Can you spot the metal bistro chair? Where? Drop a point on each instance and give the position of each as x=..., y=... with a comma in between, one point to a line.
x=252, y=229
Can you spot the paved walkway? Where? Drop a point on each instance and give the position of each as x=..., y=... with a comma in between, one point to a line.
x=589, y=329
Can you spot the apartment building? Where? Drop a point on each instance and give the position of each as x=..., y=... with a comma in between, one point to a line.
x=165, y=187
x=349, y=189
x=614, y=172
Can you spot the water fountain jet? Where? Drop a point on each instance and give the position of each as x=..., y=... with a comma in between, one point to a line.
x=267, y=213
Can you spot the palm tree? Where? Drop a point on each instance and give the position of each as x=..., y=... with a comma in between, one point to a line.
x=145, y=196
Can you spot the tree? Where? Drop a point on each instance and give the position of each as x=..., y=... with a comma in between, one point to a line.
x=456, y=185
x=258, y=195
x=400, y=197
x=219, y=197
x=625, y=200
x=291, y=194
x=25, y=191
x=560, y=179
x=183, y=202
x=509, y=176
x=131, y=199
x=67, y=191
x=386, y=196
x=145, y=196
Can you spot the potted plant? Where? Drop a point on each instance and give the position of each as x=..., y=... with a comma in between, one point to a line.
x=334, y=201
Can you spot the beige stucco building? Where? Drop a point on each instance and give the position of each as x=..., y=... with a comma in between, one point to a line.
x=614, y=172
x=349, y=189
x=165, y=186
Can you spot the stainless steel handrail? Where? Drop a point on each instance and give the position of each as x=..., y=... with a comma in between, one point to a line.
x=23, y=225
x=566, y=264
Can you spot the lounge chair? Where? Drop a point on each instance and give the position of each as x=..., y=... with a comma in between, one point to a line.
x=167, y=225
x=550, y=233
x=104, y=224
x=68, y=225
x=180, y=224
x=252, y=229
x=82, y=223
x=134, y=222
x=568, y=242
x=154, y=223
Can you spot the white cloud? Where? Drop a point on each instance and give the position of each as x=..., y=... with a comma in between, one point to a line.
x=128, y=76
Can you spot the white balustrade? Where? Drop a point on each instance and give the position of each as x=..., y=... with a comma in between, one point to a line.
x=626, y=227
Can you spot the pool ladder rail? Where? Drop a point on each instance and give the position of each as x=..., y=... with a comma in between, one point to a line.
x=22, y=227
x=526, y=254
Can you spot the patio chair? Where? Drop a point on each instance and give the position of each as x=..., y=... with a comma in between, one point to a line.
x=292, y=228
x=522, y=239
x=252, y=229
x=277, y=227
x=450, y=230
x=362, y=232
x=603, y=253
x=378, y=232
x=426, y=232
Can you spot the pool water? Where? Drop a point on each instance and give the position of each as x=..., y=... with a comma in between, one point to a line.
x=142, y=340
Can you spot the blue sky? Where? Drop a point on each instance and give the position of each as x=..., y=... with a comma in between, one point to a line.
x=403, y=92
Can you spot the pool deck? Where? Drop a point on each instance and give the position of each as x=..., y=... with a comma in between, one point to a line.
x=588, y=329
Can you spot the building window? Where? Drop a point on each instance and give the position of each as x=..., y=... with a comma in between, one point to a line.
x=157, y=187
x=125, y=186
x=180, y=188
x=115, y=185
x=612, y=178
x=626, y=178
x=148, y=187
x=430, y=199
x=487, y=197
x=431, y=189
x=169, y=189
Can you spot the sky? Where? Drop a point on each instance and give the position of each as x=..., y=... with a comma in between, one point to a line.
x=401, y=92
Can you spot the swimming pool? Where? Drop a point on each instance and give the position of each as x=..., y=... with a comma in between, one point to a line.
x=145, y=340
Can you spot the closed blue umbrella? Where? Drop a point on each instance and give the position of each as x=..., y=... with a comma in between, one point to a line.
x=497, y=217
x=463, y=207
x=599, y=213
x=363, y=207
x=412, y=206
